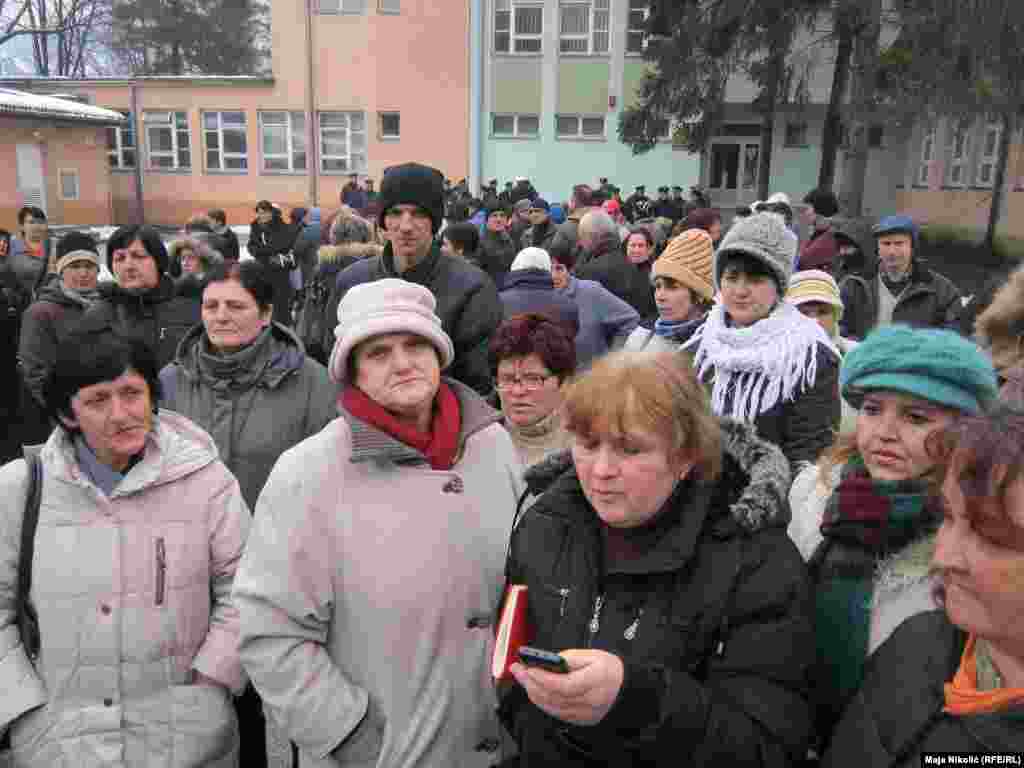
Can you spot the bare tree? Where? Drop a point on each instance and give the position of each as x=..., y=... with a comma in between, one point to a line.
x=65, y=33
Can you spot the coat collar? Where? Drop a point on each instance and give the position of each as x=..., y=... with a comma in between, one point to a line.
x=422, y=273
x=371, y=444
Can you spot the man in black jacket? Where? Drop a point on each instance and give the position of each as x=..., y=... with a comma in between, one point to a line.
x=270, y=243
x=412, y=208
x=898, y=287
x=143, y=302
x=496, y=250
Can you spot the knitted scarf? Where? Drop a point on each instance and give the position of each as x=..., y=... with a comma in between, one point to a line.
x=669, y=329
x=757, y=367
x=865, y=520
x=440, y=445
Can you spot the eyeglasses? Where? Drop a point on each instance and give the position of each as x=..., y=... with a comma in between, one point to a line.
x=531, y=382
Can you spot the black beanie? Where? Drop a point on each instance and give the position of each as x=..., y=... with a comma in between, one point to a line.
x=823, y=201
x=413, y=184
x=148, y=236
x=75, y=241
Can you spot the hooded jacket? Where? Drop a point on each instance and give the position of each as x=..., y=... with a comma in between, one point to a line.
x=159, y=317
x=255, y=406
x=467, y=303
x=533, y=290
x=712, y=622
x=49, y=319
x=929, y=301
x=133, y=593
x=897, y=715
x=370, y=628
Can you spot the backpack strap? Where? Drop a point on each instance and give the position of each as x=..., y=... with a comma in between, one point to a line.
x=27, y=620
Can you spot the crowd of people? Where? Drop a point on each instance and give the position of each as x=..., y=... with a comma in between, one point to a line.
x=766, y=496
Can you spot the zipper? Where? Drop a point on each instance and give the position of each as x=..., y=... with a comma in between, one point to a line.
x=161, y=570
x=595, y=620
x=563, y=595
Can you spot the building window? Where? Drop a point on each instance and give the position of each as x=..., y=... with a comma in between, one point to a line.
x=796, y=135
x=389, y=6
x=390, y=125
x=986, y=173
x=585, y=26
x=579, y=127
x=167, y=141
x=959, y=145
x=68, y=184
x=283, y=141
x=515, y=126
x=636, y=27
x=226, y=143
x=121, y=144
x=927, y=156
x=342, y=142
x=343, y=6
x=518, y=26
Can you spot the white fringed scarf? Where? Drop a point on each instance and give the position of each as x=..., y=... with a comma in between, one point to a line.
x=759, y=366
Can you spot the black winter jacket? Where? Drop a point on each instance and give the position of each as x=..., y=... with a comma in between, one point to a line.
x=268, y=241
x=159, y=317
x=898, y=712
x=495, y=255
x=609, y=266
x=540, y=236
x=712, y=623
x=533, y=290
x=929, y=301
x=467, y=303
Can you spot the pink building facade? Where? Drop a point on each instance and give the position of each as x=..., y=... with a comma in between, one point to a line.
x=356, y=87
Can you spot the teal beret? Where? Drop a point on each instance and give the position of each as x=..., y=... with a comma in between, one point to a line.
x=939, y=366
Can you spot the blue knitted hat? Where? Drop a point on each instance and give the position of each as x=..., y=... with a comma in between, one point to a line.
x=939, y=366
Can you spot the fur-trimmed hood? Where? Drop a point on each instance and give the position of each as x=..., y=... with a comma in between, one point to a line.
x=762, y=502
x=347, y=252
x=1001, y=325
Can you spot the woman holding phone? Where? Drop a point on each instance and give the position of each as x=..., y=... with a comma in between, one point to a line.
x=657, y=566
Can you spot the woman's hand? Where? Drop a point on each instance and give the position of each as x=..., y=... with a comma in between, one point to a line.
x=582, y=697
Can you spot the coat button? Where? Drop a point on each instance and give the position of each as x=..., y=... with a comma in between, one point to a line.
x=108, y=702
x=488, y=745
x=105, y=609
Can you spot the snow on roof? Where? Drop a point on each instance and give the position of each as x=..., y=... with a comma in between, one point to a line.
x=34, y=105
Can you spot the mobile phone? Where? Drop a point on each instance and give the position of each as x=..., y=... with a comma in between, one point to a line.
x=546, y=660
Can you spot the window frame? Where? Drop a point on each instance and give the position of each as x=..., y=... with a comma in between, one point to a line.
x=389, y=11
x=803, y=128
x=324, y=156
x=579, y=135
x=381, y=134
x=592, y=11
x=291, y=134
x=219, y=131
x=63, y=173
x=116, y=153
x=517, y=133
x=926, y=155
x=177, y=132
x=988, y=159
x=959, y=129
x=644, y=7
x=340, y=9
x=513, y=8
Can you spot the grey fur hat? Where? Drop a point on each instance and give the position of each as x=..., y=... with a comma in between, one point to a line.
x=763, y=237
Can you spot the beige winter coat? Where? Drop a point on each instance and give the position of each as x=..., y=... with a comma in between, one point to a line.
x=133, y=593
x=367, y=592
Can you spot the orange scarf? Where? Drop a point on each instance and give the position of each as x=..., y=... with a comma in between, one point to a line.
x=963, y=696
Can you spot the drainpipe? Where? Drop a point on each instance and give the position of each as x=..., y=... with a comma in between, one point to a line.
x=312, y=159
x=140, y=206
x=476, y=78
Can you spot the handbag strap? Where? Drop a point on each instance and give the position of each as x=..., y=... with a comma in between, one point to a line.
x=29, y=524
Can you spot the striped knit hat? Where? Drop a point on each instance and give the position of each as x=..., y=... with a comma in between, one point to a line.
x=814, y=285
x=688, y=259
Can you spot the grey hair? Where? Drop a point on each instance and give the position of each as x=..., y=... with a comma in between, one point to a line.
x=598, y=225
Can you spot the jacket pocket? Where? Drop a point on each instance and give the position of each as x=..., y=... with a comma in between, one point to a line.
x=363, y=746
x=204, y=729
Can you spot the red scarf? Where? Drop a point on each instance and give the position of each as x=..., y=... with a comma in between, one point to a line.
x=439, y=445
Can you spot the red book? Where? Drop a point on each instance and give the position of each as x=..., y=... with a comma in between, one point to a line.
x=513, y=632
